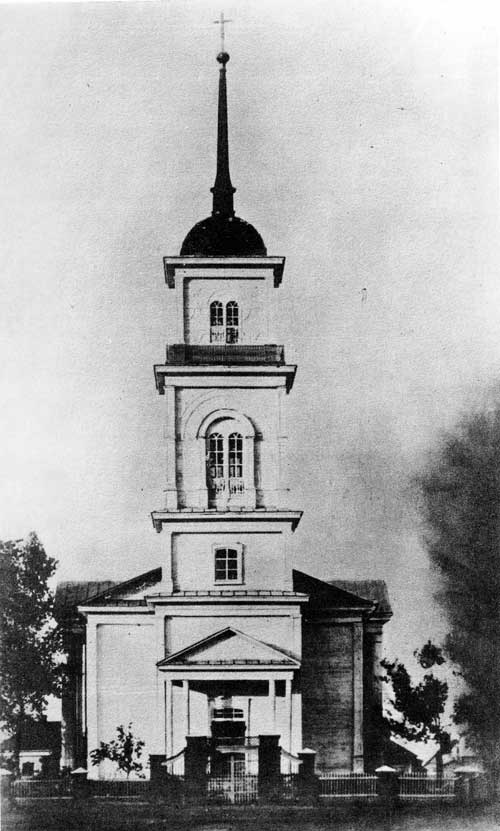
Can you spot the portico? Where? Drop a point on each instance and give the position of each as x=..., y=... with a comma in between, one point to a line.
x=230, y=687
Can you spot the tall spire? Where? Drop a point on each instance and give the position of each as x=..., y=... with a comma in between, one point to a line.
x=223, y=189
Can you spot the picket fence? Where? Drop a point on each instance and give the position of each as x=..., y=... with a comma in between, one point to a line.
x=241, y=787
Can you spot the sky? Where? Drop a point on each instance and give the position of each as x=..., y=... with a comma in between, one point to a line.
x=364, y=148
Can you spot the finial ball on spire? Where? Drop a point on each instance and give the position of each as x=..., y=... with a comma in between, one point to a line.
x=223, y=58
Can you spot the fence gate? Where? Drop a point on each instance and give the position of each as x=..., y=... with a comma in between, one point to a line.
x=235, y=785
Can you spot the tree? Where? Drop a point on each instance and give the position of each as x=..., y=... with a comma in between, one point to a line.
x=461, y=505
x=125, y=751
x=28, y=641
x=417, y=709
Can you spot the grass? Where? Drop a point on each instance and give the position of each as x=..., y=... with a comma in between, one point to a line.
x=114, y=815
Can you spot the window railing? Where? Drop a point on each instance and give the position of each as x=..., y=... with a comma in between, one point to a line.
x=225, y=713
x=221, y=486
x=236, y=486
x=217, y=486
x=217, y=334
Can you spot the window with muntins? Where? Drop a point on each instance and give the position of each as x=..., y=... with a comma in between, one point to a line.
x=225, y=464
x=224, y=322
x=217, y=330
x=228, y=565
x=232, y=322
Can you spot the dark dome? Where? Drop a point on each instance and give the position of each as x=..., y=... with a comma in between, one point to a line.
x=223, y=236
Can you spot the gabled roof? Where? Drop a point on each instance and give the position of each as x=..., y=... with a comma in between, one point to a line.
x=229, y=647
x=325, y=595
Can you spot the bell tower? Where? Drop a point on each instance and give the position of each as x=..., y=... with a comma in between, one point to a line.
x=224, y=382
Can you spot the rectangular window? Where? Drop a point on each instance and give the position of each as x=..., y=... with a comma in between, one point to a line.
x=228, y=565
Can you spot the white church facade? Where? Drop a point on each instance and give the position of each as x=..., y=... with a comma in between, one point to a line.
x=224, y=639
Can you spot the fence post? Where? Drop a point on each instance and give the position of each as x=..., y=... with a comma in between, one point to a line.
x=464, y=785
x=387, y=786
x=195, y=768
x=158, y=774
x=269, y=767
x=79, y=783
x=6, y=786
x=307, y=780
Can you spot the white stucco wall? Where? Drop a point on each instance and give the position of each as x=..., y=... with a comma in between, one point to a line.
x=125, y=675
x=250, y=292
x=263, y=560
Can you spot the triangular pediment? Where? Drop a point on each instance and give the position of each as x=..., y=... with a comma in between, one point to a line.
x=232, y=648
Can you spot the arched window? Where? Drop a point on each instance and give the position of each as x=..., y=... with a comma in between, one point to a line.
x=232, y=322
x=235, y=463
x=217, y=333
x=224, y=322
x=225, y=463
x=215, y=460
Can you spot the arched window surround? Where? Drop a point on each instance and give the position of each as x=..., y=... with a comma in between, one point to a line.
x=229, y=461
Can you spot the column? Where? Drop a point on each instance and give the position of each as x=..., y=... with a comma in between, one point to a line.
x=185, y=697
x=357, y=648
x=288, y=699
x=272, y=701
x=170, y=485
x=92, y=658
x=169, y=738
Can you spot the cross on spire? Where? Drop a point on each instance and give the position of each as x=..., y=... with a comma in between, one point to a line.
x=222, y=21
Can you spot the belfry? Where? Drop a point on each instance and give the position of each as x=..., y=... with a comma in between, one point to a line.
x=224, y=639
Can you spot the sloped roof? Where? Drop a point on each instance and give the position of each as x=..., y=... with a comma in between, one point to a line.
x=114, y=594
x=375, y=590
x=366, y=595
x=323, y=594
x=36, y=735
x=73, y=593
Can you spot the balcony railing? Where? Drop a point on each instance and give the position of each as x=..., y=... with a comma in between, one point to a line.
x=232, y=353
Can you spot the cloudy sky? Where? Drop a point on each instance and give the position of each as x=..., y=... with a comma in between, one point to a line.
x=363, y=142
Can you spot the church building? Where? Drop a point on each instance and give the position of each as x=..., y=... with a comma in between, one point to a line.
x=224, y=639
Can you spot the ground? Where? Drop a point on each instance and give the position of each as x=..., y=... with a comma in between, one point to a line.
x=107, y=815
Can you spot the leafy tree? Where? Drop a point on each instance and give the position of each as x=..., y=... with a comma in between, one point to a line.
x=125, y=751
x=417, y=708
x=28, y=641
x=461, y=502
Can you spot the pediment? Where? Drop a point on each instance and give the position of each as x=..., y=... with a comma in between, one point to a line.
x=229, y=647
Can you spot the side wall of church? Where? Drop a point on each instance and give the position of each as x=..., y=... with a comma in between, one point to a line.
x=327, y=682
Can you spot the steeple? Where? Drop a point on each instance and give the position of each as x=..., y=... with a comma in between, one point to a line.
x=223, y=234
x=223, y=189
